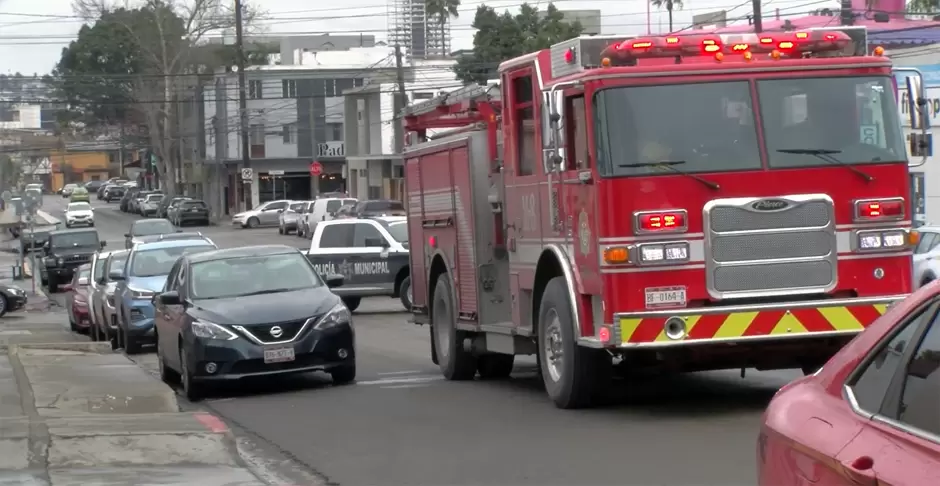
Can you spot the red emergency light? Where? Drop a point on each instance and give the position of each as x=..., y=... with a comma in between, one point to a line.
x=776, y=45
x=879, y=209
x=671, y=220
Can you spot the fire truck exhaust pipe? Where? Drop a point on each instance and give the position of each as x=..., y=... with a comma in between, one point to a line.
x=674, y=328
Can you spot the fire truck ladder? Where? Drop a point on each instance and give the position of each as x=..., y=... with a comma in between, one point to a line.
x=471, y=107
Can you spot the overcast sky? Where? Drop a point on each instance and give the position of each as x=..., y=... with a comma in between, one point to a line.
x=33, y=32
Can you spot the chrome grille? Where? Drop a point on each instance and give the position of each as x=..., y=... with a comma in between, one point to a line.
x=759, y=253
x=290, y=331
x=77, y=259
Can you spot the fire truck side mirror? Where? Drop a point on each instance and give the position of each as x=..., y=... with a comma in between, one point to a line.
x=913, y=98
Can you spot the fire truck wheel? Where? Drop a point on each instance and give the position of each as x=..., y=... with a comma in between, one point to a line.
x=495, y=366
x=433, y=346
x=455, y=362
x=570, y=372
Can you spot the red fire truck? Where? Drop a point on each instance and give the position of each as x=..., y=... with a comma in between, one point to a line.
x=682, y=203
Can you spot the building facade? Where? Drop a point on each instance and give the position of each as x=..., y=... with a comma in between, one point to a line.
x=424, y=36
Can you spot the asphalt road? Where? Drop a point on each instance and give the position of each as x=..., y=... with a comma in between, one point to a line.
x=401, y=424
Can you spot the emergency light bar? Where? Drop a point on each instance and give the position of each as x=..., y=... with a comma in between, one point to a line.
x=776, y=45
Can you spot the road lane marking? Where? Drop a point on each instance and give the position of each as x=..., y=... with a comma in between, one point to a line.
x=400, y=381
x=388, y=373
x=397, y=387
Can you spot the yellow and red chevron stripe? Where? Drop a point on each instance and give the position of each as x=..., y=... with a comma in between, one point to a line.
x=754, y=323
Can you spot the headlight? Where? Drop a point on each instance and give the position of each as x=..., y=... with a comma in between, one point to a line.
x=61, y=261
x=141, y=293
x=653, y=253
x=211, y=330
x=875, y=240
x=336, y=316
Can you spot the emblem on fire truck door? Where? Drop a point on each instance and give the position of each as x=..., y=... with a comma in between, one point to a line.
x=584, y=233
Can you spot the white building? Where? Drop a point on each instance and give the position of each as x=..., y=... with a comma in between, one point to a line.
x=21, y=117
x=297, y=115
x=423, y=36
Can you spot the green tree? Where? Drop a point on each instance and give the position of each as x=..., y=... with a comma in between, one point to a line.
x=669, y=5
x=500, y=37
x=442, y=10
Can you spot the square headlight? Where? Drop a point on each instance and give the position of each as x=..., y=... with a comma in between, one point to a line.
x=875, y=240
x=662, y=253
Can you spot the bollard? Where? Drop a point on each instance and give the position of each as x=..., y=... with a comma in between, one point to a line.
x=17, y=272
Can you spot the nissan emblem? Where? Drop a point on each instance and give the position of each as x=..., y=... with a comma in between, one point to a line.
x=276, y=331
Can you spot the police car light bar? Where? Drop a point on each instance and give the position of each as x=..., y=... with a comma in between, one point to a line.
x=776, y=45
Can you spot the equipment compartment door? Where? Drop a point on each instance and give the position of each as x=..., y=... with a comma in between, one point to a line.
x=579, y=195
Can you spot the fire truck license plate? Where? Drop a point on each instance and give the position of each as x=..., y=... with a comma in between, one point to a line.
x=665, y=297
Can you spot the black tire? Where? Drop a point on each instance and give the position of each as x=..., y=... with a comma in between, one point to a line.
x=433, y=346
x=343, y=375
x=253, y=222
x=4, y=305
x=927, y=280
x=404, y=293
x=455, y=362
x=72, y=325
x=167, y=375
x=582, y=371
x=131, y=345
x=280, y=230
x=495, y=366
x=191, y=390
x=52, y=284
x=352, y=303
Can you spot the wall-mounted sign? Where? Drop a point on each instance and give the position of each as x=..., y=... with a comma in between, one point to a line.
x=331, y=149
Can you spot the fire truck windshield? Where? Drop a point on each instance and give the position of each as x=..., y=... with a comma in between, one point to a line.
x=854, y=117
x=710, y=126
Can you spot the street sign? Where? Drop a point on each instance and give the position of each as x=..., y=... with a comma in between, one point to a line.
x=316, y=169
x=246, y=174
x=275, y=172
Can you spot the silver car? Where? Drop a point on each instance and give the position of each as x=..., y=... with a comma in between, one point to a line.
x=104, y=313
x=290, y=218
x=148, y=207
x=265, y=214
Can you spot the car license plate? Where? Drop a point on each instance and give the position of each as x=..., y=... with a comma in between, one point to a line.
x=665, y=297
x=278, y=355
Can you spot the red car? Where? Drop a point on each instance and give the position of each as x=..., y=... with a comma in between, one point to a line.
x=871, y=415
x=76, y=301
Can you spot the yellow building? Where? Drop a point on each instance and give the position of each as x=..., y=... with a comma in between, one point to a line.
x=74, y=167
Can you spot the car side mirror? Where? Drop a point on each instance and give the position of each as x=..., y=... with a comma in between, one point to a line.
x=127, y=235
x=171, y=297
x=334, y=280
x=116, y=275
x=104, y=244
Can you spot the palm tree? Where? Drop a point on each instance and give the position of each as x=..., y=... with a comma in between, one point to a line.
x=670, y=5
x=443, y=10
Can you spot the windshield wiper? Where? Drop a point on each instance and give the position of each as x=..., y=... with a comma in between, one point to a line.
x=669, y=164
x=826, y=155
x=269, y=291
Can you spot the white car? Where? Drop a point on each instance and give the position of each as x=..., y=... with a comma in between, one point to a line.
x=79, y=214
x=265, y=214
x=927, y=256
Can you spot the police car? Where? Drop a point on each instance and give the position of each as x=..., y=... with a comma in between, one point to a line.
x=370, y=253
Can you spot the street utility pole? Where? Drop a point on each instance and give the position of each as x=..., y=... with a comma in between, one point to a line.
x=402, y=101
x=758, y=17
x=242, y=101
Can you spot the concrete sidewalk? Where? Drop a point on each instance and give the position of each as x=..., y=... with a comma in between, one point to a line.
x=73, y=412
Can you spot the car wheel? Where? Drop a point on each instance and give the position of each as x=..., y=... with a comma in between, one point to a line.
x=404, y=293
x=131, y=344
x=352, y=303
x=343, y=375
x=253, y=222
x=168, y=375
x=53, y=284
x=300, y=232
x=456, y=363
x=72, y=325
x=280, y=230
x=3, y=305
x=191, y=390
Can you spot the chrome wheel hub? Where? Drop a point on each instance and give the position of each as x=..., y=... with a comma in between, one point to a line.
x=553, y=347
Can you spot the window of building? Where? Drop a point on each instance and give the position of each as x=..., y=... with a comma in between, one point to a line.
x=256, y=138
x=288, y=88
x=423, y=96
x=334, y=132
x=289, y=132
x=255, y=89
x=524, y=115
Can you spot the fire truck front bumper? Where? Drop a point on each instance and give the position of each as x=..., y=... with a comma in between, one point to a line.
x=741, y=324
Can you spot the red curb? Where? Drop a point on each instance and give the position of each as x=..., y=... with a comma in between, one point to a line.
x=211, y=422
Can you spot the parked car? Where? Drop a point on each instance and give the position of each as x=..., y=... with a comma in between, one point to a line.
x=12, y=298
x=265, y=214
x=106, y=320
x=103, y=190
x=148, y=207
x=179, y=235
x=322, y=210
x=67, y=189
x=133, y=206
x=146, y=227
x=870, y=415
x=190, y=211
x=250, y=311
x=96, y=285
x=176, y=201
x=371, y=254
x=79, y=194
x=35, y=240
x=927, y=255
x=115, y=193
x=129, y=195
x=92, y=186
x=76, y=301
x=143, y=277
x=287, y=221
x=79, y=214
x=379, y=207
x=65, y=251
x=165, y=204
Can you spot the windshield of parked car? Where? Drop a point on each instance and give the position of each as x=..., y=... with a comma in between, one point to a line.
x=116, y=262
x=79, y=206
x=399, y=231
x=150, y=227
x=238, y=277
x=854, y=119
x=150, y=263
x=155, y=197
x=72, y=240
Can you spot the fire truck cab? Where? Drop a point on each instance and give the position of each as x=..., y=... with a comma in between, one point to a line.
x=681, y=203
